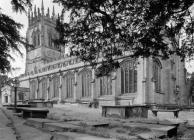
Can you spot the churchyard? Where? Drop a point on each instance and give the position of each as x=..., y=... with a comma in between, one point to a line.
x=78, y=122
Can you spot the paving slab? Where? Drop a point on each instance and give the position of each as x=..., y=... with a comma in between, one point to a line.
x=168, y=131
x=190, y=122
x=150, y=135
x=62, y=127
x=38, y=122
x=142, y=125
x=168, y=122
x=156, y=121
x=148, y=121
x=24, y=131
x=68, y=118
x=77, y=136
x=90, y=123
x=6, y=132
x=179, y=121
x=121, y=134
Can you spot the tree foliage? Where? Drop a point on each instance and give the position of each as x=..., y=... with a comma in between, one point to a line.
x=110, y=27
x=9, y=34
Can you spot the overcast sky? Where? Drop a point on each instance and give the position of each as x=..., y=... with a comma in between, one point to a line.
x=22, y=18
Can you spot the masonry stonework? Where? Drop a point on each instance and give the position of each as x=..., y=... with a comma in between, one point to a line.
x=138, y=81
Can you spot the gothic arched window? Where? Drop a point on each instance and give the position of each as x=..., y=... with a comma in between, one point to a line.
x=157, y=67
x=128, y=76
x=33, y=89
x=50, y=41
x=38, y=36
x=69, y=84
x=56, y=86
x=21, y=96
x=86, y=76
x=34, y=39
x=105, y=85
x=44, y=88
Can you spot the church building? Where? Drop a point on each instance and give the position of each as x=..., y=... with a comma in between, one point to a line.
x=52, y=75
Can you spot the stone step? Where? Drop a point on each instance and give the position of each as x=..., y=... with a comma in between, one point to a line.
x=77, y=136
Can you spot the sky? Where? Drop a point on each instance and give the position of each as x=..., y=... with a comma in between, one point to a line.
x=23, y=19
x=6, y=8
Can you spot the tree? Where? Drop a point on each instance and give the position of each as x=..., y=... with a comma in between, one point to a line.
x=9, y=34
x=111, y=27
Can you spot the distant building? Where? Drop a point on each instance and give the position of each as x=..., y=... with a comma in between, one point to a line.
x=51, y=75
x=8, y=95
x=3, y=78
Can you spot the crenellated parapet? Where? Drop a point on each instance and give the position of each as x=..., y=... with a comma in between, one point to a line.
x=37, y=14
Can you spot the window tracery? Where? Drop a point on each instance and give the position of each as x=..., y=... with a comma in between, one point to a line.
x=86, y=76
x=128, y=76
x=69, y=80
x=56, y=86
x=157, y=67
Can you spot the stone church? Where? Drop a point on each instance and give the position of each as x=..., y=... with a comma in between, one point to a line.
x=52, y=75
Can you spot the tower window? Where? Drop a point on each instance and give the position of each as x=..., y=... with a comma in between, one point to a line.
x=36, y=38
x=50, y=40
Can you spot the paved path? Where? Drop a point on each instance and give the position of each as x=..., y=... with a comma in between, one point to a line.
x=22, y=131
x=25, y=132
x=6, y=132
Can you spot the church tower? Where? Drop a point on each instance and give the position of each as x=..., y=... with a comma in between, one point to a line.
x=41, y=33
